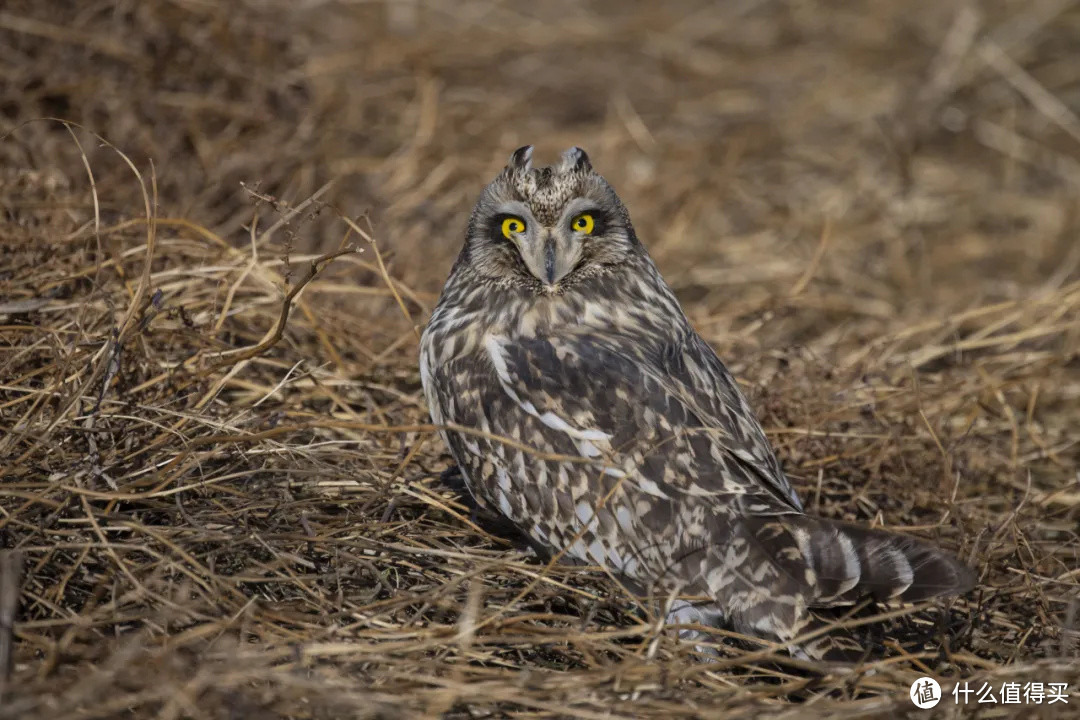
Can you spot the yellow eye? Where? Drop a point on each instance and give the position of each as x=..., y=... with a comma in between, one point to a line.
x=584, y=223
x=512, y=225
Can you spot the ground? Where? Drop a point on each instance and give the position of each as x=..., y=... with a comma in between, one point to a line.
x=218, y=469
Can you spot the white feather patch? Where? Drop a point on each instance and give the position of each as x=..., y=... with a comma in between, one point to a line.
x=425, y=372
x=802, y=539
x=584, y=512
x=587, y=449
x=852, y=569
x=504, y=505
x=905, y=575
x=596, y=551
x=504, y=480
x=650, y=487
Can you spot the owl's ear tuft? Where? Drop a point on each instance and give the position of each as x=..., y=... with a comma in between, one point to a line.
x=521, y=159
x=575, y=160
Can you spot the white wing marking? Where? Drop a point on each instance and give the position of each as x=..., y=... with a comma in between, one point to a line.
x=504, y=505
x=584, y=512
x=650, y=487
x=504, y=479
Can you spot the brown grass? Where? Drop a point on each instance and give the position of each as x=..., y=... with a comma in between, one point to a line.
x=227, y=509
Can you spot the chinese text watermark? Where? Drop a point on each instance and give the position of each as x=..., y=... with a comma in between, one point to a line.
x=926, y=693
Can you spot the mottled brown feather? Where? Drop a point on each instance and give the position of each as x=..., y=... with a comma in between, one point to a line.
x=606, y=429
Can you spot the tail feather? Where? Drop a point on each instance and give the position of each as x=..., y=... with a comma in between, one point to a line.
x=782, y=576
x=851, y=562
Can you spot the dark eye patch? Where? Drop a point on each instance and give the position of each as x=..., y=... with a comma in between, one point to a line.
x=601, y=221
x=495, y=227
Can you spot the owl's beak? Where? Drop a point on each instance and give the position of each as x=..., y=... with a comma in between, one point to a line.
x=549, y=258
x=549, y=261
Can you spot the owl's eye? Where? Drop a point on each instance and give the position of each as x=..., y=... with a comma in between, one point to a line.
x=512, y=226
x=583, y=223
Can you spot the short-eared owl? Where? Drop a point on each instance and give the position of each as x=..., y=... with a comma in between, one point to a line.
x=580, y=404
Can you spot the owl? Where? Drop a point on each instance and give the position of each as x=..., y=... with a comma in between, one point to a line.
x=582, y=407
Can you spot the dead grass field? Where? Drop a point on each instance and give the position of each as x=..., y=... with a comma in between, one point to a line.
x=870, y=209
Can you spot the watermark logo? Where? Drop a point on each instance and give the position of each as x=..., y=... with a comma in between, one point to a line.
x=925, y=693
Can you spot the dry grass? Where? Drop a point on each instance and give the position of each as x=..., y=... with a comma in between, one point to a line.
x=870, y=209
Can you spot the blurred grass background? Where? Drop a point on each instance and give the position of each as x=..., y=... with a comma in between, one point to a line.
x=870, y=209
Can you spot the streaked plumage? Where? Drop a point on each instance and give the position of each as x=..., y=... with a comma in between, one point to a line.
x=580, y=404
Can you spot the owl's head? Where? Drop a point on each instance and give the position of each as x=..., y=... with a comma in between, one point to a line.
x=547, y=228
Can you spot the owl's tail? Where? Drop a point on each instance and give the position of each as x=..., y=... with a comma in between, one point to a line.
x=851, y=562
x=796, y=569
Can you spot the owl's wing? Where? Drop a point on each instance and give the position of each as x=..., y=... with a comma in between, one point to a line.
x=670, y=422
x=690, y=367
x=679, y=397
